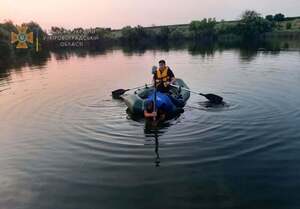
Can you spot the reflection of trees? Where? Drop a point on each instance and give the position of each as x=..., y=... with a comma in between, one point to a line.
x=67, y=53
x=140, y=49
x=130, y=50
x=19, y=58
x=248, y=54
x=11, y=58
x=204, y=49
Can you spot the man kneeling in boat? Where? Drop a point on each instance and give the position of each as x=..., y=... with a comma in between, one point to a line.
x=163, y=77
x=149, y=112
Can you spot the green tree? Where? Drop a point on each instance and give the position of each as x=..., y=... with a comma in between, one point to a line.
x=5, y=45
x=163, y=34
x=78, y=30
x=203, y=30
x=279, y=17
x=250, y=16
x=177, y=35
x=36, y=28
x=9, y=26
x=127, y=34
x=134, y=35
x=226, y=28
x=270, y=17
x=252, y=25
x=103, y=33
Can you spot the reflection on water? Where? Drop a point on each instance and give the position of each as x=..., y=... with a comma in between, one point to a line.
x=152, y=130
x=157, y=159
x=37, y=60
x=21, y=59
x=65, y=143
x=155, y=129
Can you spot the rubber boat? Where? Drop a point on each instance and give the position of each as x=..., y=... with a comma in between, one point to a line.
x=172, y=102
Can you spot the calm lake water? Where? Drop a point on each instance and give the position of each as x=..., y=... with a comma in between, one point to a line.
x=65, y=143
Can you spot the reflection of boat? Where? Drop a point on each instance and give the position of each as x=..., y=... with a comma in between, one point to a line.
x=171, y=102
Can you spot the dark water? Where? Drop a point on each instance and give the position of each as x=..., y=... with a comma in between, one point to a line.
x=65, y=143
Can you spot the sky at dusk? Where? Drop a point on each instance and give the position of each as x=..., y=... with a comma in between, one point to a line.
x=119, y=13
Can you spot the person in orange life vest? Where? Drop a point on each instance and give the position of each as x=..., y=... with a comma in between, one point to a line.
x=164, y=77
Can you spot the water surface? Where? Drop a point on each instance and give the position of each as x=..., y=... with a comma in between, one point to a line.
x=65, y=143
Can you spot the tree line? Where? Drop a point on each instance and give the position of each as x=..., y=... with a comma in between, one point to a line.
x=250, y=27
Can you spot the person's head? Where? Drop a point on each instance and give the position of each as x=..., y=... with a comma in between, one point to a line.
x=162, y=64
x=154, y=69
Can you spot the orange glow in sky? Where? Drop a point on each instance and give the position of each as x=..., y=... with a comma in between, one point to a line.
x=119, y=13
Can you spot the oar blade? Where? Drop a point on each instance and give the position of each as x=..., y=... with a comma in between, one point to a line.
x=214, y=98
x=119, y=92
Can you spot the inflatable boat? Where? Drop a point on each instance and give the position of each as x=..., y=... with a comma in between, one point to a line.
x=171, y=102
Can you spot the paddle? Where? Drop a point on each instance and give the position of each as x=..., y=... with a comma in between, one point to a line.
x=119, y=92
x=154, y=102
x=211, y=97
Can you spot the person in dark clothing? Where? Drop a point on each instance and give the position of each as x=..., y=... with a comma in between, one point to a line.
x=163, y=77
x=149, y=112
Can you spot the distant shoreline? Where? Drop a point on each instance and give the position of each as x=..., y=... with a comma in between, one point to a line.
x=252, y=27
x=187, y=24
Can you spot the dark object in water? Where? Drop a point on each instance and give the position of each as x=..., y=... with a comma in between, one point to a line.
x=213, y=98
x=209, y=104
x=117, y=93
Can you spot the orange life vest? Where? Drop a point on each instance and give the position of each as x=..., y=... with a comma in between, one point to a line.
x=163, y=76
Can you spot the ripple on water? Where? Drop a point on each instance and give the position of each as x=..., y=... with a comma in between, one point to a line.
x=203, y=133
